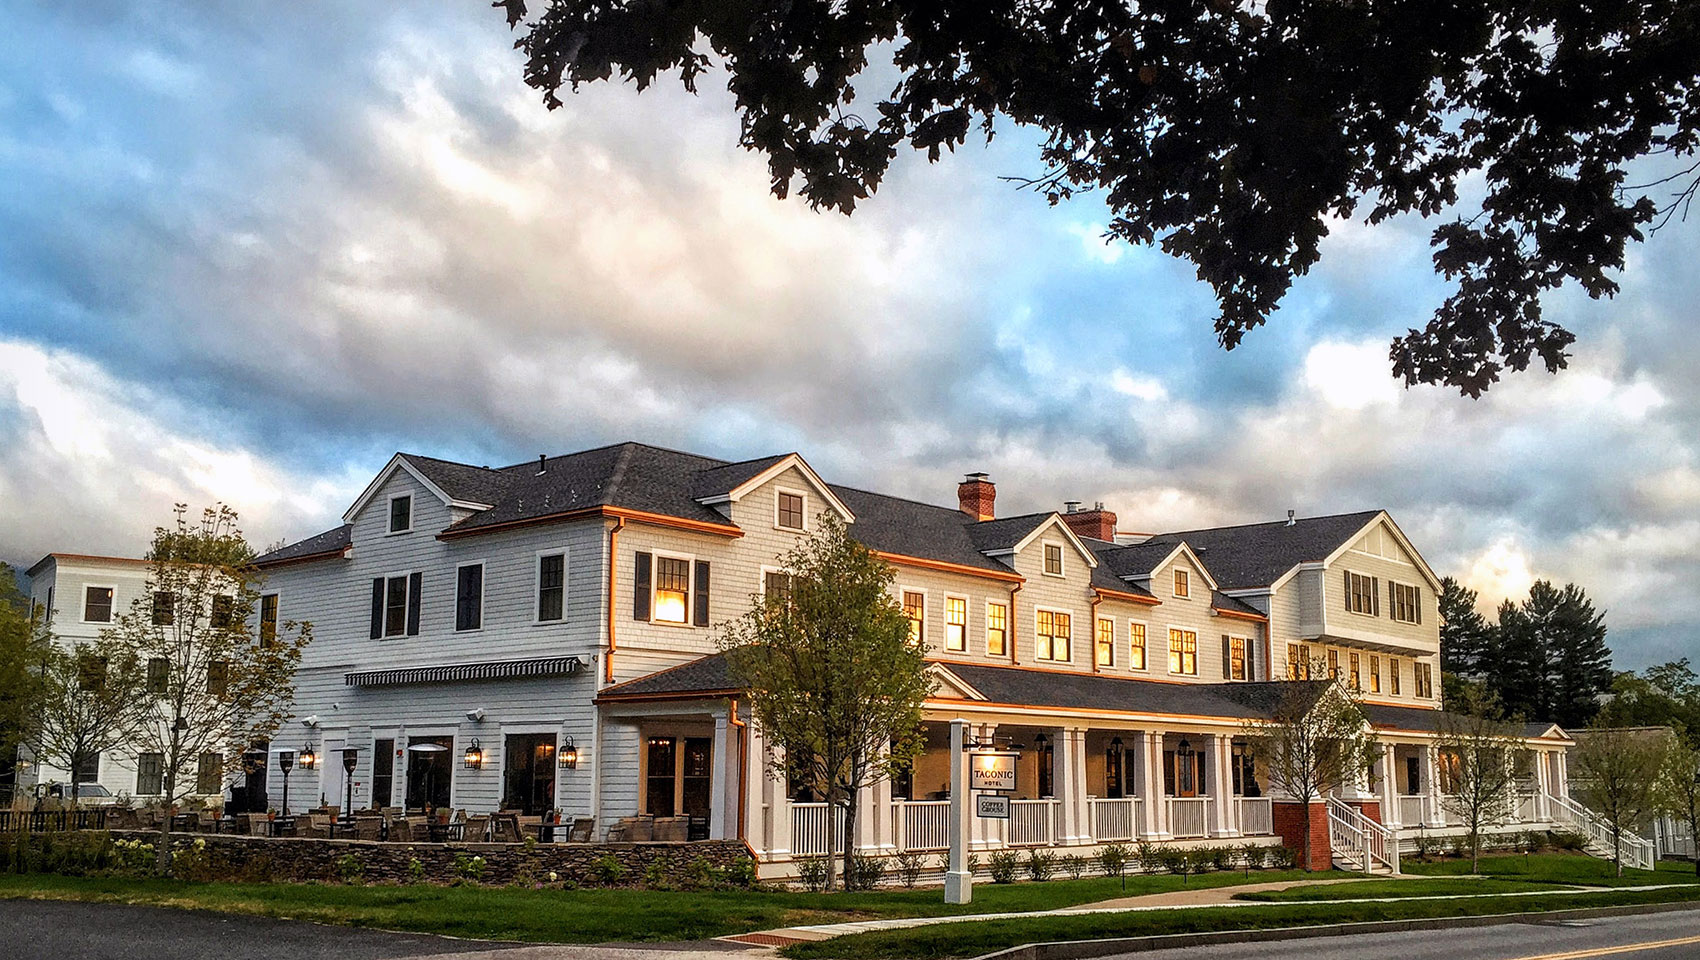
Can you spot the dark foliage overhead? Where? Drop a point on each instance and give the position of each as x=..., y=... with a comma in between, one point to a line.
x=1226, y=132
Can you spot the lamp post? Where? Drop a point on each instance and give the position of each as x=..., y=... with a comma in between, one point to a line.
x=286, y=763
x=350, y=760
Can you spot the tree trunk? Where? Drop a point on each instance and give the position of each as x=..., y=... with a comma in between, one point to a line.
x=1304, y=855
x=1475, y=851
x=849, y=839
x=831, y=841
x=162, y=855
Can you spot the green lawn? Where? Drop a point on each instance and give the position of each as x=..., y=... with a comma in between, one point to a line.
x=591, y=916
x=1557, y=868
x=1436, y=887
x=972, y=939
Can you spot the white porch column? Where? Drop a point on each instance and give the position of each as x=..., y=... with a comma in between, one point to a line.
x=1562, y=787
x=1154, y=798
x=778, y=803
x=958, y=882
x=1071, y=787
x=1389, y=786
x=1219, y=784
x=1543, y=785
x=1431, y=776
x=724, y=782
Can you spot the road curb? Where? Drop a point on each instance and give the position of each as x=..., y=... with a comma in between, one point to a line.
x=1087, y=949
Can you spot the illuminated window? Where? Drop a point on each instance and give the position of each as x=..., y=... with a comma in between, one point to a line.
x=1183, y=652
x=1236, y=658
x=1053, y=559
x=955, y=623
x=1298, y=661
x=1374, y=674
x=268, y=613
x=1106, y=643
x=672, y=590
x=790, y=509
x=915, y=608
x=997, y=629
x=1352, y=674
x=1425, y=681
x=1136, y=646
x=1183, y=584
x=1053, y=633
x=1393, y=675
x=1333, y=664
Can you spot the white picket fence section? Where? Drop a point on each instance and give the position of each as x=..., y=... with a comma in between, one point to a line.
x=1257, y=816
x=1031, y=822
x=1113, y=819
x=808, y=829
x=1189, y=817
x=923, y=824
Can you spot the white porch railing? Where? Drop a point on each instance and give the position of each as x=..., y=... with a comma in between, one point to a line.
x=1189, y=816
x=1635, y=850
x=1030, y=822
x=1672, y=839
x=1360, y=841
x=1257, y=816
x=1413, y=810
x=1113, y=819
x=923, y=824
x=808, y=829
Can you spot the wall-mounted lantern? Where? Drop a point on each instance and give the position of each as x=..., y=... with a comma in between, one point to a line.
x=309, y=760
x=569, y=754
x=474, y=758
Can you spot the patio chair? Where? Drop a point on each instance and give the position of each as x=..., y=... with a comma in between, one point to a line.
x=477, y=829
x=673, y=829
x=583, y=830
x=419, y=831
x=530, y=827
x=368, y=827
x=314, y=826
x=504, y=828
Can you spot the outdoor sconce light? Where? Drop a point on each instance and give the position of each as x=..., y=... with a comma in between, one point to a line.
x=1185, y=746
x=474, y=758
x=569, y=754
x=309, y=759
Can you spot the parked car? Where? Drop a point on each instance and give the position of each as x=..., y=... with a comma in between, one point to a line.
x=88, y=794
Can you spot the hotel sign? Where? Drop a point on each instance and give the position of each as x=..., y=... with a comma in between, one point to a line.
x=991, y=771
x=991, y=806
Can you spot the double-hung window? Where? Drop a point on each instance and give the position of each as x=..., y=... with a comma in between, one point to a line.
x=1052, y=635
x=395, y=607
x=159, y=675
x=1363, y=594
x=1374, y=674
x=1183, y=584
x=1183, y=652
x=1393, y=675
x=97, y=605
x=1405, y=602
x=1136, y=645
x=150, y=774
x=1354, y=677
x=1053, y=560
x=469, y=596
x=672, y=590
x=551, y=587
x=1104, y=642
x=1237, y=658
x=789, y=511
x=164, y=603
x=268, y=618
x=956, y=624
x=915, y=608
x=1425, y=681
x=209, y=773
x=997, y=630
x=401, y=513
x=776, y=585
x=1333, y=664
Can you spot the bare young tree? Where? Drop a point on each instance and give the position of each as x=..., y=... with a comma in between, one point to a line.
x=1615, y=771
x=834, y=677
x=220, y=666
x=1316, y=741
x=93, y=700
x=1679, y=791
x=1479, y=755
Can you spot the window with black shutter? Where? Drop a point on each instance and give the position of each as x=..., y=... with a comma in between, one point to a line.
x=414, y=584
x=268, y=618
x=469, y=597
x=642, y=583
x=701, y=600
x=551, y=587
x=395, y=607
x=377, y=607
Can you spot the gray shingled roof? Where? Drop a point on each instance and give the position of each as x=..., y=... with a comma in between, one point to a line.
x=1427, y=720
x=1045, y=688
x=1004, y=532
x=912, y=529
x=1132, y=560
x=1222, y=601
x=1257, y=554
x=331, y=540
x=710, y=674
x=719, y=480
x=630, y=475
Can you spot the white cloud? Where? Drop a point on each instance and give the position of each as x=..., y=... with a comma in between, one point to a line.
x=1350, y=376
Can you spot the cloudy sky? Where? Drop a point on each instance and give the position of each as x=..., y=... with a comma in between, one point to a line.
x=249, y=251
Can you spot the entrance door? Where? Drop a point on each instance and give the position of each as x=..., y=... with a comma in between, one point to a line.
x=662, y=776
x=254, y=779
x=697, y=784
x=430, y=770
x=331, y=777
x=1183, y=773
x=528, y=773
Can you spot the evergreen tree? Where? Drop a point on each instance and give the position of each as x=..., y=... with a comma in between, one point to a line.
x=1578, y=661
x=1465, y=635
x=1516, y=670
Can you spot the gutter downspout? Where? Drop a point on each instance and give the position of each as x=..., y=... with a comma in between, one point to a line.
x=743, y=768
x=1013, y=620
x=1097, y=598
x=613, y=565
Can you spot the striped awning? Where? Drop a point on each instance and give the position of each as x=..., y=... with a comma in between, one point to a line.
x=459, y=672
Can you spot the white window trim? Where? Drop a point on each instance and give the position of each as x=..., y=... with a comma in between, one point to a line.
x=926, y=603
x=1062, y=559
x=1112, y=622
x=483, y=581
x=988, y=631
x=1393, y=608
x=1374, y=599
x=83, y=609
x=761, y=577
x=1053, y=610
x=407, y=601
x=1166, y=639
x=944, y=623
x=389, y=513
x=655, y=583
x=798, y=493
x=537, y=584
x=1147, y=626
x=1175, y=576
x=260, y=610
x=1245, y=659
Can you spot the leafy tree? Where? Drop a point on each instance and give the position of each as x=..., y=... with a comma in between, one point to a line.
x=94, y=699
x=1615, y=772
x=1480, y=755
x=1465, y=635
x=1666, y=695
x=834, y=679
x=1679, y=790
x=10, y=594
x=224, y=680
x=1313, y=744
x=1230, y=133
x=24, y=644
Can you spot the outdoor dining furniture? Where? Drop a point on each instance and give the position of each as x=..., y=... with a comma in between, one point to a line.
x=530, y=827
x=476, y=829
x=632, y=829
x=368, y=827
x=671, y=828
x=583, y=830
x=504, y=828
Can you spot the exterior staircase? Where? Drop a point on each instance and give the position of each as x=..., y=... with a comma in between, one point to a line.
x=1359, y=843
x=1637, y=851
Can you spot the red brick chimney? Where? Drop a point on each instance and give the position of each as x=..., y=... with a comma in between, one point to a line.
x=976, y=494
x=1097, y=523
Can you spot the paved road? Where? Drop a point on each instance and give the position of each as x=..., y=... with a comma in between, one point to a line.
x=50, y=930
x=1619, y=938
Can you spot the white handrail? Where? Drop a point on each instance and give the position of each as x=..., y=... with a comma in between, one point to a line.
x=1370, y=840
x=1635, y=850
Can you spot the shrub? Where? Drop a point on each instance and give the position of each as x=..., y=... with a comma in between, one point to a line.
x=811, y=873
x=1459, y=846
x=1004, y=864
x=1149, y=856
x=741, y=872
x=909, y=867
x=1040, y=866
x=608, y=870
x=1112, y=859
x=1533, y=841
x=1283, y=857
x=1252, y=855
x=469, y=869
x=864, y=872
x=1074, y=865
x=415, y=870
x=1221, y=858
x=655, y=876
x=350, y=869
x=1425, y=847
x=1170, y=859
x=700, y=874
x=1569, y=841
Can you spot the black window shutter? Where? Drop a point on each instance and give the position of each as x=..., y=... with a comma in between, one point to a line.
x=1227, y=657
x=1349, y=604
x=1250, y=659
x=414, y=582
x=641, y=586
x=377, y=607
x=1417, y=601
x=701, y=599
x=1375, y=595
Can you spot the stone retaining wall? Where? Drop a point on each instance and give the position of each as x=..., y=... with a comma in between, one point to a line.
x=232, y=857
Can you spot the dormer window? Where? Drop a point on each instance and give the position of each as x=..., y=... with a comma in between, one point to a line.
x=789, y=511
x=1053, y=560
x=401, y=513
x=1183, y=584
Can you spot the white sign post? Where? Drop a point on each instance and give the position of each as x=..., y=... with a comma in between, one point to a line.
x=958, y=882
